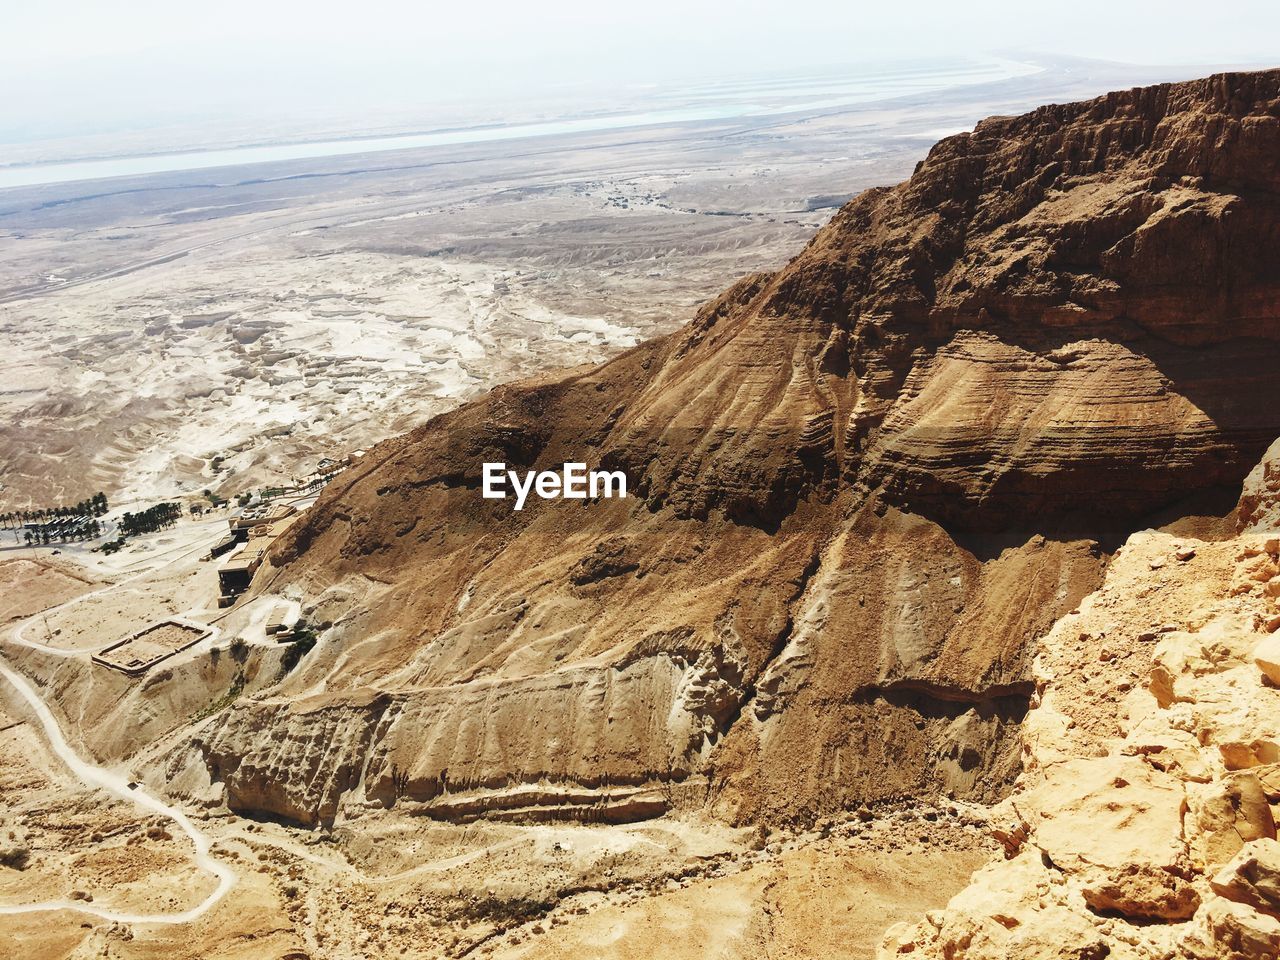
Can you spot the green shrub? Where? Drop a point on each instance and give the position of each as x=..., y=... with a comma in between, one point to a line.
x=303, y=642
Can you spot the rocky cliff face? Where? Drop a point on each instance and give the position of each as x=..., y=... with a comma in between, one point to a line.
x=1143, y=825
x=862, y=487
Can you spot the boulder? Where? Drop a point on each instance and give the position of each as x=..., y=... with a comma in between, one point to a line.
x=1114, y=824
x=1267, y=656
x=1252, y=876
x=1225, y=815
x=1225, y=930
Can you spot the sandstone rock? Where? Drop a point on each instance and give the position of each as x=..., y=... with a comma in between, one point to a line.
x=1242, y=755
x=1167, y=749
x=1269, y=777
x=1260, y=500
x=1252, y=876
x=1177, y=656
x=1225, y=815
x=1132, y=833
x=1267, y=656
x=1181, y=660
x=1114, y=824
x=1012, y=909
x=1232, y=931
x=1142, y=891
x=1131, y=842
x=1254, y=574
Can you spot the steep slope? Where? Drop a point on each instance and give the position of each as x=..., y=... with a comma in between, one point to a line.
x=1144, y=823
x=862, y=486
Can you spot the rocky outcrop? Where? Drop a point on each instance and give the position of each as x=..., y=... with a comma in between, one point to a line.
x=1143, y=824
x=300, y=772
x=862, y=487
x=1260, y=502
x=1252, y=877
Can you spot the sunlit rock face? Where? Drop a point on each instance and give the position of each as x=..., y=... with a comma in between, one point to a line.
x=860, y=489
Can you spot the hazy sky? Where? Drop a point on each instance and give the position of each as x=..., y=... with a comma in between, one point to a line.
x=85, y=66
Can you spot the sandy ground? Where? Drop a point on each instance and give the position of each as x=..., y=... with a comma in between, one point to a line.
x=31, y=583
x=832, y=896
x=83, y=840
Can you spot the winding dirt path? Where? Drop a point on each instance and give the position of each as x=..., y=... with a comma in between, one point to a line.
x=115, y=784
x=100, y=778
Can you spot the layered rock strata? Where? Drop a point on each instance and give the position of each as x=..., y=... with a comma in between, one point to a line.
x=862, y=487
x=1144, y=823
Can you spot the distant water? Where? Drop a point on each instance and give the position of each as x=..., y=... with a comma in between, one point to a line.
x=708, y=101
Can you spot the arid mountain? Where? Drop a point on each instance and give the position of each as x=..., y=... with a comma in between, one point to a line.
x=1144, y=822
x=861, y=488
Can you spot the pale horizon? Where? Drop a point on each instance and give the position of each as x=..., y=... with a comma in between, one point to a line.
x=89, y=70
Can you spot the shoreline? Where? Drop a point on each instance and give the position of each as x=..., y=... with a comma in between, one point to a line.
x=870, y=88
